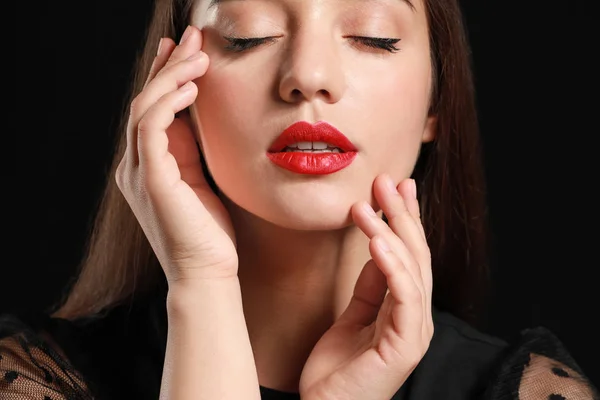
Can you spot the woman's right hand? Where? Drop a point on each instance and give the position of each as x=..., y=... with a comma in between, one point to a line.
x=161, y=176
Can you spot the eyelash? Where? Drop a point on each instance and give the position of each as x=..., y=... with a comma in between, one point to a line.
x=241, y=44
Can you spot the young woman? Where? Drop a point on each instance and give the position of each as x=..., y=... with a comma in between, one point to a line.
x=296, y=210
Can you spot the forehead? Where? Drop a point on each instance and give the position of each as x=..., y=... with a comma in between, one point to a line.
x=412, y=13
x=409, y=3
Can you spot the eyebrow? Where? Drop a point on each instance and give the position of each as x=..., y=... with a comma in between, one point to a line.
x=215, y=2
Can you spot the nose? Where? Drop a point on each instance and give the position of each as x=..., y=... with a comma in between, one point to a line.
x=312, y=69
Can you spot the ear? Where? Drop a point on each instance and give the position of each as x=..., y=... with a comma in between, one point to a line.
x=430, y=129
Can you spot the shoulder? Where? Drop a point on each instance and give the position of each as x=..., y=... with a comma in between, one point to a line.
x=117, y=354
x=452, y=329
x=32, y=366
x=538, y=366
x=466, y=363
x=460, y=360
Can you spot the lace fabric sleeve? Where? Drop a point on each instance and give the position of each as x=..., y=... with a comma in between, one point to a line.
x=33, y=368
x=539, y=367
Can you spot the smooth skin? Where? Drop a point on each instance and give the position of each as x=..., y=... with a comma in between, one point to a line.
x=371, y=348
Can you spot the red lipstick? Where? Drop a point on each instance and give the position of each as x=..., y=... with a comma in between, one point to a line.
x=338, y=154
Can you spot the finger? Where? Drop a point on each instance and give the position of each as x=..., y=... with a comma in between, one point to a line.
x=183, y=147
x=184, y=63
x=370, y=223
x=405, y=225
x=163, y=51
x=401, y=207
x=408, y=190
x=164, y=83
x=165, y=48
x=168, y=53
x=365, y=218
x=152, y=140
x=369, y=292
x=408, y=313
x=190, y=43
x=399, y=217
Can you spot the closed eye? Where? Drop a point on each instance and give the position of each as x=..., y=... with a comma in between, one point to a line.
x=241, y=44
x=387, y=44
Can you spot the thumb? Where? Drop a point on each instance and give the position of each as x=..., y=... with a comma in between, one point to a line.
x=369, y=293
x=183, y=147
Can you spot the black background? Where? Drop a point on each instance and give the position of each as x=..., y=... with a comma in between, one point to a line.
x=538, y=114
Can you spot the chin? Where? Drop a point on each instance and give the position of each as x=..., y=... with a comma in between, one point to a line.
x=303, y=221
x=312, y=210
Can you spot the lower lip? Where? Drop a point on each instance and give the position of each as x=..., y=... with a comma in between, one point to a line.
x=312, y=163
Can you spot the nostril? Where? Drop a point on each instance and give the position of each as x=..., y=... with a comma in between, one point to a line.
x=298, y=94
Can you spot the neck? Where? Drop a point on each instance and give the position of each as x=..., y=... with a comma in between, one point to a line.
x=294, y=286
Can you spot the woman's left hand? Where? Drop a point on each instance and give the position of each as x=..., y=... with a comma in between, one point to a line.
x=381, y=337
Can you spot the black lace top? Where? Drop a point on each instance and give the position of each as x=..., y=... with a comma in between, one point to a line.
x=120, y=356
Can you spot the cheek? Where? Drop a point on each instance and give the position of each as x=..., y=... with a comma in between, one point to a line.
x=401, y=90
x=233, y=120
x=394, y=109
x=229, y=112
x=218, y=94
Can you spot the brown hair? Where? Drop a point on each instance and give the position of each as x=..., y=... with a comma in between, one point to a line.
x=120, y=263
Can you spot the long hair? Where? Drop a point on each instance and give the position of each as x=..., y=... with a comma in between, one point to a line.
x=120, y=264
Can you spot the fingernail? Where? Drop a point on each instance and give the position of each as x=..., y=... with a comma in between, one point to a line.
x=383, y=244
x=186, y=34
x=195, y=56
x=414, y=188
x=369, y=209
x=159, y=47
x=187, y=87
x=391, y=186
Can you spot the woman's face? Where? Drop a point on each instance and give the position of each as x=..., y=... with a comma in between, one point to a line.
x=315, y=66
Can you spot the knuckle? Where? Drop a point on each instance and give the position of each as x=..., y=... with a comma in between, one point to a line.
x=124, y=180
x=169, y=65
x=425, y=253
x=135, y=105
x=399, y=210
x=119, y=175
x=157, y=75
x=414, y=295
x=403, y=210
x=144, y=125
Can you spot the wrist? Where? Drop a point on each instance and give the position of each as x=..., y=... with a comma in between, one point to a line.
x=186, y=297
x=208, y=342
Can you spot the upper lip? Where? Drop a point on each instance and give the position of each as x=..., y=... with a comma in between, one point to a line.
x=303, y=131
